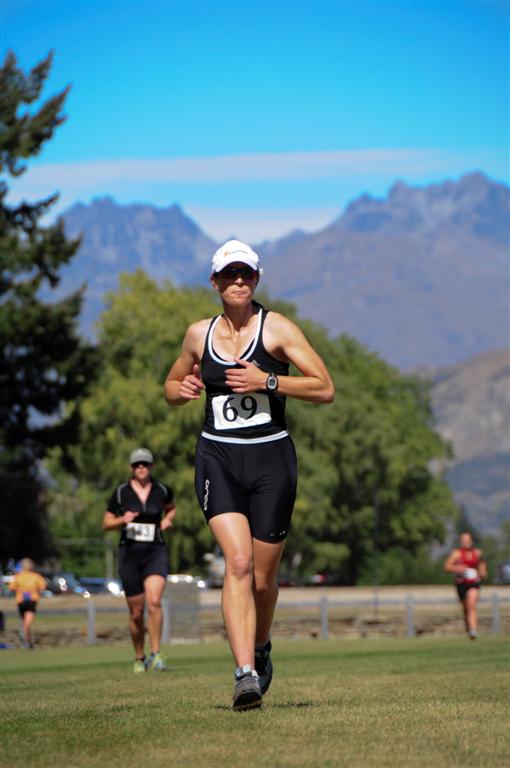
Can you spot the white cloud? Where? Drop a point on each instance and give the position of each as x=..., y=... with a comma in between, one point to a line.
x=82, y=177
x=318, y=184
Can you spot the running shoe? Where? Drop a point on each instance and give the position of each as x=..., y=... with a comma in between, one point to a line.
x=264, y=666
x=247, y=693
x=156, y=663
x=139, y=666
x=473, y=634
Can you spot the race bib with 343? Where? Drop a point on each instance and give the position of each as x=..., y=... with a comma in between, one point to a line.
x=239, y=411
x=140, y=531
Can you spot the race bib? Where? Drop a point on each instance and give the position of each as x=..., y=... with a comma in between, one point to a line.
x=470, y=573
x=140, y=531
x=238, y=411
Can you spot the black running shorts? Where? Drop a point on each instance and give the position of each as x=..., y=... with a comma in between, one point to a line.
x=139, y=560
x=257, y=479
x=462, y=589
x=27, y=606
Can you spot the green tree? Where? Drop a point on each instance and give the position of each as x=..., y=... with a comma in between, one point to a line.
x=496, y=551
x=374, y=444
x=140, y=335
x=43, y=362
x=365, y=482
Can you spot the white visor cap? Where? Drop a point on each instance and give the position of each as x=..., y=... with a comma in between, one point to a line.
x=234, y=251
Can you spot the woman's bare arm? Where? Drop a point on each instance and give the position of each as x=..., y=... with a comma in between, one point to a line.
x=284, y=339
x=482, y=568
x=112, y=523
x=183, y=382
x=169, y=516
x=451, y=565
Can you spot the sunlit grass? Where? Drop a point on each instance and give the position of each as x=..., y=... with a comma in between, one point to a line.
x=423, y=702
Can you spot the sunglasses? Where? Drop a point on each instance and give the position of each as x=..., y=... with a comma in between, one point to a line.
x=140, y=464
x=247, y=273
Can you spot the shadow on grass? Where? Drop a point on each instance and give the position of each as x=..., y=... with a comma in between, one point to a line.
x=295, y=705
x=281, y=705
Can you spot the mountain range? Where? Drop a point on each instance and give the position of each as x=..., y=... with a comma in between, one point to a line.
x=421, y=276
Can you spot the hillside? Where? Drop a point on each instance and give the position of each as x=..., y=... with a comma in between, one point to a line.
x=121, y=238
x=471, y=404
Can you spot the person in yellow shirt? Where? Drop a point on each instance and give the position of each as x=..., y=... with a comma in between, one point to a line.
x=28, y=585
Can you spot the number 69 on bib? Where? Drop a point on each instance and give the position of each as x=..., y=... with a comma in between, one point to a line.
x=237, y=411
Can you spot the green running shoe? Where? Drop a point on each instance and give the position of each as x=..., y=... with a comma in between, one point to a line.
x=156, y=663
x=139, y=666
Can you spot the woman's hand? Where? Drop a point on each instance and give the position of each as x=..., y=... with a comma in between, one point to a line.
x=249, y=378
x=192, y=385
x=168, y=519
x=129, y=516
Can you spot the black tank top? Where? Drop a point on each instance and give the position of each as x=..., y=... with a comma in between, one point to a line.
x=237, y=418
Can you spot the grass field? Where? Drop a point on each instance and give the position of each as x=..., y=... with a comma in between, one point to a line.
x=357, y=703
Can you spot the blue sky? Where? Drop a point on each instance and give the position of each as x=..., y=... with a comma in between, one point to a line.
x=258, y=117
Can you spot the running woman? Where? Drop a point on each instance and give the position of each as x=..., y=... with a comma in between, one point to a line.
x=246, y=470
x=469, y=569
x=142, y=508
x=28, y=585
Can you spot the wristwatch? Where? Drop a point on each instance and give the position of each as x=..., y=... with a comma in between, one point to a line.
x=272, y=382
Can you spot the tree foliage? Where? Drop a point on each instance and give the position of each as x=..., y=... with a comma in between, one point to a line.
x=369, y=450
x=496, y=551
x=43, y=362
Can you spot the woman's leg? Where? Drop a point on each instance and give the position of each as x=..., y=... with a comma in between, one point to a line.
x=470, y=608
x=154, y=586
x=28, y=619
x=232, y=532
x=136, y=605
x=266, y=560
x=464, y=612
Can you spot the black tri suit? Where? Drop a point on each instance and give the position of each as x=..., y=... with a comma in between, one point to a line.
x=245, y=458
x=142, y=549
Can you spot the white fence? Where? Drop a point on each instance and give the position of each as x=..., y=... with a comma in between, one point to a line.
x=409, y=603
x=183, y=615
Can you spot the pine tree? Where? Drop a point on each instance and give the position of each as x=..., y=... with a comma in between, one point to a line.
x=44, y=365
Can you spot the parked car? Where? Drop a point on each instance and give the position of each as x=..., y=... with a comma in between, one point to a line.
x=186, y=578
x=318, y=580
x=216, y=568
x=4, y=590
x=289, y=581
x=503, y=576
x=66, y=584
x=97, y=586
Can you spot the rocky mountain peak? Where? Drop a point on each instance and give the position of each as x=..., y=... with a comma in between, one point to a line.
x=473, y=203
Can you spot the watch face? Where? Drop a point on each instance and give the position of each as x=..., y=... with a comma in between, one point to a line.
x=271, y=382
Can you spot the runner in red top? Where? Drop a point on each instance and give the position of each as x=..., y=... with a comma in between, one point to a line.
x=469, y=569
